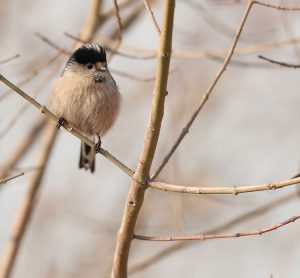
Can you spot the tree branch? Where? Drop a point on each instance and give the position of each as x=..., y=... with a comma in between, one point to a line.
x=70, y=129
x=208, y=236
x=139, y=181
x=222, y=69
x=283, y=64
x=235, y=190
x=3, y=181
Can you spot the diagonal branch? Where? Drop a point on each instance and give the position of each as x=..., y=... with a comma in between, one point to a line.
x=153, y=19
x=70, y=129
x=169, y=250
x=283, y=64
x=9, y=59
x=208, y=236
x=207, y=94
x=3, y=181
x=205, y=97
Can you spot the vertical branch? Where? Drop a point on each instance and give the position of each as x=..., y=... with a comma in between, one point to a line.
x=27, y=206
x=138, y=185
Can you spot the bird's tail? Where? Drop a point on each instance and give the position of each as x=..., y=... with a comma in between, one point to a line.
x=87, y=158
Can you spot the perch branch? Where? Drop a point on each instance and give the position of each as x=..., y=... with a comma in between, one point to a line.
x=50, y=115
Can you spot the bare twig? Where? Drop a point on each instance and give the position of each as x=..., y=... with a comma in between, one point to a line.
x=223, y=190
x=3, y=181
x=50, y=115
x=282, y=8
x=26, y=105
x=190, y=54
x=139, y=181
x=205, y=97
x=123, y=5
x=22, y=147
x=32, y=75
x=9, y=59
x=208, y=236
x=117, y=52
x=283, y=64
x=152, y=17
x=118, y=17
x=176, y=246
x=52, y=44
x=133, y=77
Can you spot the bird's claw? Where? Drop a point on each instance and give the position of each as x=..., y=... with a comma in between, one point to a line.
x=61, y=121
x=97, y=147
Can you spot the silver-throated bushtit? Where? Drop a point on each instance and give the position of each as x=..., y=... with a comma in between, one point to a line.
x=87, y=97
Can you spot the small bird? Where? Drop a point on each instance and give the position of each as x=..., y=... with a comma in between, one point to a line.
x=86, y=97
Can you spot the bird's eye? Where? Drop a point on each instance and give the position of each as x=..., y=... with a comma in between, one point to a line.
x=89, y=66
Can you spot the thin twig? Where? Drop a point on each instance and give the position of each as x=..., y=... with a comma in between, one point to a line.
x=235, y=190
x=117, y=52
x=209, y=236
x=22, y=147
x=9, y=59
x=138, y=185
x=205, y=97
x=3, y=181
x=152, y=17
x=31, y=75
x=191, y=54
x=282, y=8
x=118, y=17
x=283, y=64
x=52, y=44
x=70, y=129
x=157, y=257
x=131, y=76
x=26, y=105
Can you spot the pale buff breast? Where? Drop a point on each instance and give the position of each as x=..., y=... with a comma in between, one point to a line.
x=90, y=107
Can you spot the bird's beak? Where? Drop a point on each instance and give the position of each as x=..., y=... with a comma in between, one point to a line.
x=100, y=67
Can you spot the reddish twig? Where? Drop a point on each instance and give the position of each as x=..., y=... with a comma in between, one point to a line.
x=283, y=64
x=208, y=236
x=207, y=94
x=3, y=181
x=52, y=44
x=9, y=59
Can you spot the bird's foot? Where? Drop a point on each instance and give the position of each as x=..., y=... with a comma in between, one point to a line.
x=97, y=147
x=61, y=121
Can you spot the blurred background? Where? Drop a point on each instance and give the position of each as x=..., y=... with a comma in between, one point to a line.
x=246, y=134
